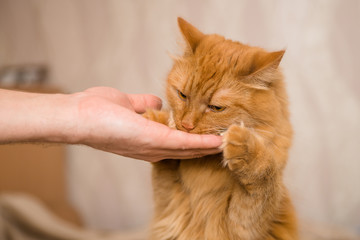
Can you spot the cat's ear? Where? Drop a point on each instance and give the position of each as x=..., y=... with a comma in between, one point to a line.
x=263, y=69
x=191, y=34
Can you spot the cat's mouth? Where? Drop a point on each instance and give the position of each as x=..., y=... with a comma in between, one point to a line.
x=197, y=130
x=214, y=130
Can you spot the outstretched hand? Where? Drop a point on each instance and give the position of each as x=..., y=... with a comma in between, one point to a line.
x=110, y=120
x=101, y=117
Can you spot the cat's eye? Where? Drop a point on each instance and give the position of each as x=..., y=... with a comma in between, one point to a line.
x=181, y=95
x=216, y=108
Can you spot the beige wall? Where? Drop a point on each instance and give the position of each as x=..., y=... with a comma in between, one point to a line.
x=124, y=44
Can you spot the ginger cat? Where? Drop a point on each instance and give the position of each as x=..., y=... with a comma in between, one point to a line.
x=223, y=87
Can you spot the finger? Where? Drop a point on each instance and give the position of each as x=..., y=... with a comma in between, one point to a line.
x=141, y=102
x=175, y=154
x=167, y=138
x=181, y=140
x=179, y=154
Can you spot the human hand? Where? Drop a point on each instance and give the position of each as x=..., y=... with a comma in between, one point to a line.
x=110, y=120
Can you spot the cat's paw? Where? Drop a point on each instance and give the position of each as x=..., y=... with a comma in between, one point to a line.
x=237, y=146
x=157, y=116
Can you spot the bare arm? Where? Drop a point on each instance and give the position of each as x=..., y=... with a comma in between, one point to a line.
x=103, y=118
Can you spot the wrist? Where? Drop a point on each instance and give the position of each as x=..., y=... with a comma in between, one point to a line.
x=33, y=117
x=60, y=122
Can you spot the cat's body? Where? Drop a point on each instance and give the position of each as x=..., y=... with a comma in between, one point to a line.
x=224, y=87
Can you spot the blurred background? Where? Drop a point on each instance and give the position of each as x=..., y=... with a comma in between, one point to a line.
x=70, y=45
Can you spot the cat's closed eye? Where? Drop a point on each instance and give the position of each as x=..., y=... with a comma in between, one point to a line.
x=216, y=108
x=181, y=95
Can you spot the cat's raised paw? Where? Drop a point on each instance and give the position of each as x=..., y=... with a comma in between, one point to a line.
x=237, y=141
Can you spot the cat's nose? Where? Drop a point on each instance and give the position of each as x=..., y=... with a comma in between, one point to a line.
x=187, y=125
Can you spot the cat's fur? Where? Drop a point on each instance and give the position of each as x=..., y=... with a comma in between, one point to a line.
x=238, y=194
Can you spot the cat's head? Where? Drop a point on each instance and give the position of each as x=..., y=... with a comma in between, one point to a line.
x=218, y=82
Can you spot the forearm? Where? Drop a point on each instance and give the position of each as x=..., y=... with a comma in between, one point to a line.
x=102, y=118
x=33, y=117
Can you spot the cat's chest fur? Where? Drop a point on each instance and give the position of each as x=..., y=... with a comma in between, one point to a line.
x=201, y=177
x=203, y=193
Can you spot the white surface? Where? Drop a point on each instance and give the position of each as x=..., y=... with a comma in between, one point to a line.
x=123, y=44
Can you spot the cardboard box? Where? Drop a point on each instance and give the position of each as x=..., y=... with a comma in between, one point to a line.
x=39, y=170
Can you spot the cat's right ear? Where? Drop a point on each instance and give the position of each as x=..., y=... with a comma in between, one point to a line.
x=263, y=70
x=191, y=34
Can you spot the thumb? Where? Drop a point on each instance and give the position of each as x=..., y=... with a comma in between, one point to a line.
x=141, y=102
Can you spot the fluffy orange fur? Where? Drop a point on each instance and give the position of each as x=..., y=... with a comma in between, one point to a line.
x=223, y=87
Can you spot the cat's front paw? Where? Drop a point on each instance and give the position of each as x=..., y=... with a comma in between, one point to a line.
x=157, y=116
x=237, y=147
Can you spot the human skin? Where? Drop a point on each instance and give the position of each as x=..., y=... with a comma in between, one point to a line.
x=100, y=117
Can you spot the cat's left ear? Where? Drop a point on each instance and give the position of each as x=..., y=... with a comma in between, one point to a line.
x=264, y=70
x=191, y=34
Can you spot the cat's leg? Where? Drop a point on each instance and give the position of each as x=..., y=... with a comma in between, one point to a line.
x=248, y=155
x=164, y=173
x=166, y=187
x=259, y=195
x=284, y=224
